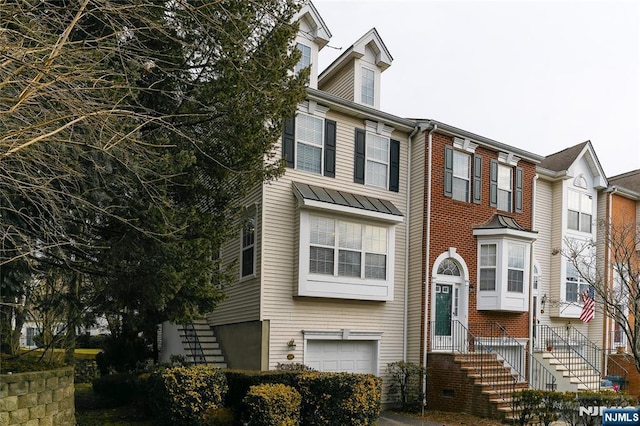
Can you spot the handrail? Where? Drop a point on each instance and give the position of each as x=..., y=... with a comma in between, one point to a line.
x=459, y=339
x=616, y=374
x=564, y=350
x=193, y=343
x=538, y=376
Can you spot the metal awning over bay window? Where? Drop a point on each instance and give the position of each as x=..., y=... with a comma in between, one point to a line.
x=346, y=244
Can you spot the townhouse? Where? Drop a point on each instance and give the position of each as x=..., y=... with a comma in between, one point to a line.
x=393, y=239
x=322, y=250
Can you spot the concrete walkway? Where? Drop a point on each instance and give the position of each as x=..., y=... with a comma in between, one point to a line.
x=387, y=418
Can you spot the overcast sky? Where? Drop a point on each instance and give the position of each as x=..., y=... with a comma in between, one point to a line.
x=537, y=75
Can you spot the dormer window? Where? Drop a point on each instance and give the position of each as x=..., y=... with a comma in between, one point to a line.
x=367, y=90
x=305, y=57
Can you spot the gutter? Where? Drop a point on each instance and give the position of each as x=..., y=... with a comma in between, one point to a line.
x=454, y=131
x=361, y=111
x=434, y=127
x=406, y=247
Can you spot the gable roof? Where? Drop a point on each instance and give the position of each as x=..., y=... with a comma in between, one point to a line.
x=357, y=50
x=557, y=165
x=562, y=160
x=629, y=181
x=321, y=33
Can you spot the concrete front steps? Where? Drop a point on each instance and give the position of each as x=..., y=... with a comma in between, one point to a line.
x=572, y=372
x=201, y=345
x=496, y=382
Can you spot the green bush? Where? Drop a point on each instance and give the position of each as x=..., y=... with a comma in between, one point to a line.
x=218, y=417
x=239, y=382
x=182, y=395
x=272, y=405
x=340, y=398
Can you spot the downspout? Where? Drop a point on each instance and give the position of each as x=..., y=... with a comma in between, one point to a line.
x=609, y=274
x=426, y=272
x=406, y=247
x=534, y=189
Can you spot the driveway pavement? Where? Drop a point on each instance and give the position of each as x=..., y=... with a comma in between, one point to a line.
x=387, y=418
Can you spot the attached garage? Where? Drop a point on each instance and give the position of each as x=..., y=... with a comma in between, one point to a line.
x=353, y=356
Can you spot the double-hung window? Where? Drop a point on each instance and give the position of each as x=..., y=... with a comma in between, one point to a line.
x=580, y=210
x=515, y=268
x=488, y=265
x=367, y=88
x=575, y=284
x=305, y=57
x=461, y=181
x=377, y=160
x=248, y=244
x=347, y=249
x=309, y=141
x=377, y=157
x=461, y=176
x=506, y=190
x=505, y=184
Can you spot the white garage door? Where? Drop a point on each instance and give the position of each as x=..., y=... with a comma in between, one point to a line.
x=354, y=356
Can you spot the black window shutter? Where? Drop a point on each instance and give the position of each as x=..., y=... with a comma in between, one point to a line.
x=493, y=188
x=289, y=141
x=330, y=148
x=518, y=191
x=360, y=153
x=448, y=171
x=394, y=166
x=477, y=179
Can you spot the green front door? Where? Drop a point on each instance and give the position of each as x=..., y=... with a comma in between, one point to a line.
x=443, y=309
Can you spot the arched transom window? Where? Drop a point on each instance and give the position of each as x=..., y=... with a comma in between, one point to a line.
x=448, y=267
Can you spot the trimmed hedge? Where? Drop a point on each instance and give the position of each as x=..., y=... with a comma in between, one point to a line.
x=272, y=405
x=327, y=398
x=340, y=398
x=239, y=382
x=182, y=395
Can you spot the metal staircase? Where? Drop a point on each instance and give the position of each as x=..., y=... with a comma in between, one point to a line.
x=200, y=344
x=576, y=361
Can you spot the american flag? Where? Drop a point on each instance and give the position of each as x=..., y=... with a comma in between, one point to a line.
x=589, y=305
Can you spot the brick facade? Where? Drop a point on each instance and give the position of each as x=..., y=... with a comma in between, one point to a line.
x=451, y=389
x=452, y=224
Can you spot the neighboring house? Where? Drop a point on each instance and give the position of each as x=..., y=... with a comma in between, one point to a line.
x=623, y=212
x=471, y=233
x=322, y=252
x=567, y=210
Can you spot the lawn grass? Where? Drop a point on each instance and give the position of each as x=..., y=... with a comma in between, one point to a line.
x=95, y=410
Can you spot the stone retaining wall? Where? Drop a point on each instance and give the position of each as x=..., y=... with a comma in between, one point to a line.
x=39, y=398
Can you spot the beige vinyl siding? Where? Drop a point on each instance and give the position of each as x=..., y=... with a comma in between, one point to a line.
x=416, y=225
x=288, y=314
x=596, y=326
x=242, y=301
x=341, y=84
x=558, y=224
x=542, y=246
